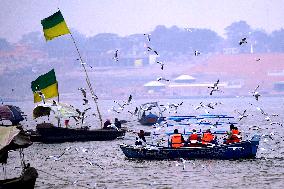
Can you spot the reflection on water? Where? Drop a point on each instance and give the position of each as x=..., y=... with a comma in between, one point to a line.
x=101, y=164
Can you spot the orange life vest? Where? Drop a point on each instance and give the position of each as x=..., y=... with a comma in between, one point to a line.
x=235, y=138
x=193, y=136
x=176, y=141
x=207, y=138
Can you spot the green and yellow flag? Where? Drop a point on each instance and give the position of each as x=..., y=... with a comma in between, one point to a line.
x=54, y=26
x=46, y=84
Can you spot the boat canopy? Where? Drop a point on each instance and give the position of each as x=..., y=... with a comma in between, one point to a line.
x=7, y=134
x=61, y=110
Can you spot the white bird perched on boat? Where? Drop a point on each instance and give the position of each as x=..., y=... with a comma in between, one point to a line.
x=41, y=96
x=242, y=115
x=214, y=87
x=162, y=79
x=255, y=93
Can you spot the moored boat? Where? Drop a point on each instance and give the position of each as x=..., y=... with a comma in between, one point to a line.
x=242, y=150
x=47, y=133
x=12, y=138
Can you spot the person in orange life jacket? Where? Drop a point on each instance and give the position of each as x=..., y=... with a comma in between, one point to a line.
x=176, y=139
x=193, y=138
x=233, y=135
x=207, y=137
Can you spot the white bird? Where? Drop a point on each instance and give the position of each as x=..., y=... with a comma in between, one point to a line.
x=41, y=96
x=148, y=36
x=255, y=93
x=84, y=93
x=162, y=79
x=242, y=115
x=116, y=56
x=183, y=162
x=162, y=65
x=242, y=41
x=214, y=87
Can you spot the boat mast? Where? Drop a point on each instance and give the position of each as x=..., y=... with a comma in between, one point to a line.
x=88, y=80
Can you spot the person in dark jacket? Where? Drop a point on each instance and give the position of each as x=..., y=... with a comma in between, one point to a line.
x=106, y=124
x=117, y=123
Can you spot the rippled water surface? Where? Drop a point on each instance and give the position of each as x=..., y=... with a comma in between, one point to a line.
x=110, y=168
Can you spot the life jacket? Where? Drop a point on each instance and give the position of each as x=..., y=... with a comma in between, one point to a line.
x=176, y=141
x=235, y=137
x=207, y=138
x=193, y=138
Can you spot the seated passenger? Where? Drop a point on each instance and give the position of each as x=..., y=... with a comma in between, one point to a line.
x=176, y=139
x=233, y=136
x=117, y=123
x=193, y=138
x=107, y=124
x=207, y=137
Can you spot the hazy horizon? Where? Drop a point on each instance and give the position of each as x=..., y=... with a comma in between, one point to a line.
x=126, y=17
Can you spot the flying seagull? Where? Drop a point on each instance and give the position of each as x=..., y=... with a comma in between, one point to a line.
x=116, y=56
x=196, y=53
x=162, y=65
x=148, y=36
x=162, y=79
x=255, y=93
x=214, y=87
x=83, y=92
x=242, y=41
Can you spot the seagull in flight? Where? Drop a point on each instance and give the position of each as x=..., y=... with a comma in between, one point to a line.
x=162, y=79
x=196, y=53
x=116, y=56
x=242, y=115
x=148, y=36
x=242, y=41
x=162, y=65
x=214, y=87
x=255, y=93
x=83, y=92
x=135, y=112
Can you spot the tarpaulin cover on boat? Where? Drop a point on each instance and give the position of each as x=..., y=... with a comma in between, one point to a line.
x=61, y=110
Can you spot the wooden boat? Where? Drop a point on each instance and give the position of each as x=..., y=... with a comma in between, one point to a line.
x=12, y=139
x=48, y=133
x=242, y=150
x=26, y=180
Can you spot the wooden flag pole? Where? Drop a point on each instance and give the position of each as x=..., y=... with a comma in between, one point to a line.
x=88, y=81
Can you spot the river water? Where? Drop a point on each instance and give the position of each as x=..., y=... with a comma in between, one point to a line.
x=110, y=168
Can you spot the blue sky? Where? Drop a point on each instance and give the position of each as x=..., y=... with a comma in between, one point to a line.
x=126, y=17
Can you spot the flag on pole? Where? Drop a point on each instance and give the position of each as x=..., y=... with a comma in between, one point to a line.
x=54, y=26
x=45, y=84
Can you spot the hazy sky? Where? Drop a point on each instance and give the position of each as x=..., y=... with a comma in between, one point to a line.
x=126, y=17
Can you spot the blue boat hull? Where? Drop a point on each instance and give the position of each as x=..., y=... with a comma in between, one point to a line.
x=242, y=150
